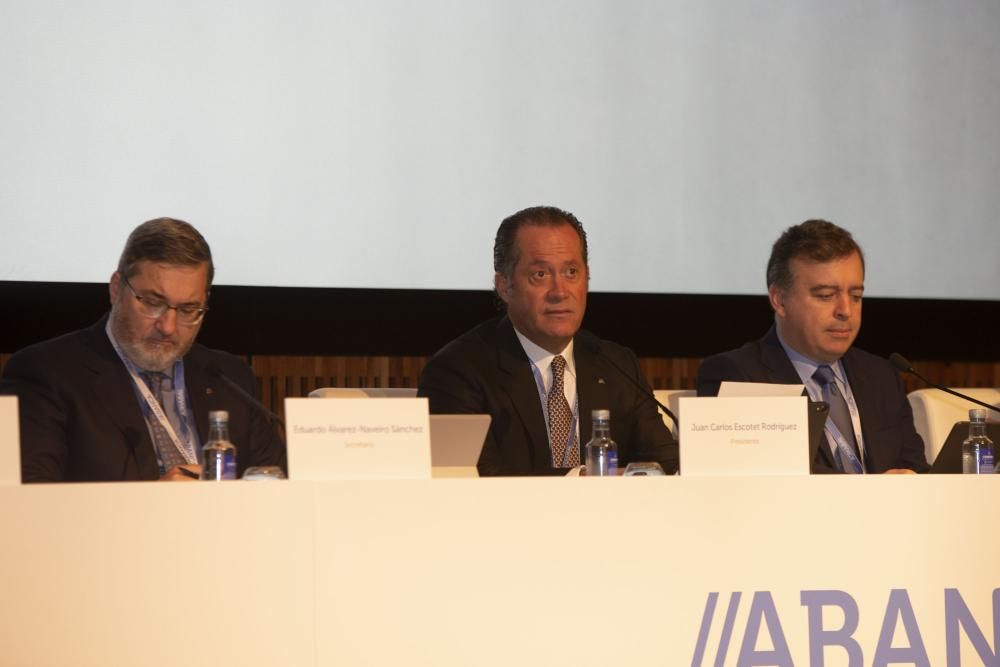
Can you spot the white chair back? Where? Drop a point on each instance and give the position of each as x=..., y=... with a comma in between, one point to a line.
x=672, y=399
x=935, y=413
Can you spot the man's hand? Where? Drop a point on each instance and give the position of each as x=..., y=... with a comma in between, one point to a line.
x=189, y=472
x=899, y=471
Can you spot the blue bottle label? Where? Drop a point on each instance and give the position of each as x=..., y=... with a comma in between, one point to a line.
x=229, y=467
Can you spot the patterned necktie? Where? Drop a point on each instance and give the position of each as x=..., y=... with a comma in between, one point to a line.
x=169, y=454
x=840, y=414
x=561, y=419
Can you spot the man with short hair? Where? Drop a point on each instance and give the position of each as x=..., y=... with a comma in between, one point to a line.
x=128, y=398
x=534, y=371
x=816, y=281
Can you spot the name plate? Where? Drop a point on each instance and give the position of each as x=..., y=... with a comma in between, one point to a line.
x=744, y=436
x=358, y=438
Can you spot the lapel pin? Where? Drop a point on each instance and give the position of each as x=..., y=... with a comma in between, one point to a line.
x=208, y=391
x=600, y=381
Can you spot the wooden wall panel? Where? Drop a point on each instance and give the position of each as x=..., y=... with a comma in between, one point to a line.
x=665, y=373
x=282, y=377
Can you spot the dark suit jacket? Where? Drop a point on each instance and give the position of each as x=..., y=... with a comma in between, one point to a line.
x=487, y=371
x=886, y=417
x=81, y=420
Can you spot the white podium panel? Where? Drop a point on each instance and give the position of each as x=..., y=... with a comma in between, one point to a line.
x=151, y=573
x=642, y=571
x=10, y=448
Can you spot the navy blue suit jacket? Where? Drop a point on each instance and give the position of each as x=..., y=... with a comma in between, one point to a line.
x=487, y=371
x=81, y=420
x=886, y=417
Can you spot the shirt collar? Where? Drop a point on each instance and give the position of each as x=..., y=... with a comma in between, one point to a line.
x=542, y=358
x=805, y=366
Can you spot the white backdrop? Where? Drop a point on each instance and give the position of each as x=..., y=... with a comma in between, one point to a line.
x=379, y=144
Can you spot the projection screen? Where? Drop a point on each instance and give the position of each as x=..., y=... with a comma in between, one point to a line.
x=378, y=144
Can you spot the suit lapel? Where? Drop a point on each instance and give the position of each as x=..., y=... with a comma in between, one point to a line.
x=517, y=381
x=200, y=392
x=863, y=397
x=779, y=367
x=114, y=393
x=591, y=387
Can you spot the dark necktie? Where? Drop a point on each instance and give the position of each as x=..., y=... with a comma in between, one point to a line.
x=164, y=444
x=840, y=415
x=561, y=419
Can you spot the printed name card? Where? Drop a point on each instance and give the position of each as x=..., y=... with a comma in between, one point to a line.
x=358, y=438
x=744, y=436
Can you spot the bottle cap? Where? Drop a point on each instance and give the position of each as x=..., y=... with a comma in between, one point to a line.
x=218, y=417
x=600, y=414
x=977, y=415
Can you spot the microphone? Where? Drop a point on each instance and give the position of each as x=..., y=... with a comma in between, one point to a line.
x=217, y=373
x=903, y=366
x=638, y=385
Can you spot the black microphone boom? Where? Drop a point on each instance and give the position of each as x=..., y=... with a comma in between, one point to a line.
x=216, y=372
x=131, y=442
x=642, y=390
x=904, y=366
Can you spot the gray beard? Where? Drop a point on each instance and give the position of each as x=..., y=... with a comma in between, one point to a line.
x=140, y=354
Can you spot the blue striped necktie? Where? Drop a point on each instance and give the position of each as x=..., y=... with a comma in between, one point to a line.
x=847, y=457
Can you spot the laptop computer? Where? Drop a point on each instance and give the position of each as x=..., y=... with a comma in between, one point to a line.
x=363, y=392
x=456, y=443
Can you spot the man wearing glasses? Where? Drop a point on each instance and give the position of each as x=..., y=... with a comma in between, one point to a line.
x=128, y=398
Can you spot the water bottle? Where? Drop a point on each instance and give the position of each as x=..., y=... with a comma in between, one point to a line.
x=601, y=451
x=220, y=453
x=977, y=450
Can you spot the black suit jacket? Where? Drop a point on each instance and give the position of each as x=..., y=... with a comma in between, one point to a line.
x=81, y=420
x=886, y=416
x=487, y=371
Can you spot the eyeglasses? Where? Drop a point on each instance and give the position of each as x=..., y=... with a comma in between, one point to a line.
x=155, y=308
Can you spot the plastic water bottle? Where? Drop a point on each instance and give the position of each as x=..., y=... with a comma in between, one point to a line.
x=601, y=451
x=977, y=450
x=220, y=453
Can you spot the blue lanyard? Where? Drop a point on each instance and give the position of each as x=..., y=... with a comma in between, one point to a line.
x=186, y=446
x=843, y=446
